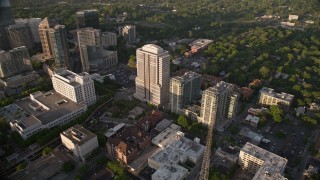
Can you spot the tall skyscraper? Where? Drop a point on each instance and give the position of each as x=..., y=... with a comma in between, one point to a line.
x=77, y=87
x=153, y=75
x=88, y=18
x=128, y=32
x=184, y=90
x=53, y=37
x=6, y=19
x=89, y=41
x=13, y=62
x=93, y=56
x=20, y=35
x=218, y=104
x=44, y=27
x=59, y=45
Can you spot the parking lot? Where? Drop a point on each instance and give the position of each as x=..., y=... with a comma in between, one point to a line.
x=124, y=75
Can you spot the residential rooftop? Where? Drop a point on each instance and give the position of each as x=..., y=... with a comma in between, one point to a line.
x=164, y=138
x=282, y=95
x=273, y=164
x=78, y=134
x=186, y=77
x=170, y=172
x=179, y=151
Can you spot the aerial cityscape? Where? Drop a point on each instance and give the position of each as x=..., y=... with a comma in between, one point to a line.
x=160, y=89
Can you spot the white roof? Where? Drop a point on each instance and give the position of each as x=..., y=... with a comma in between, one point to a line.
x=170, y=172
x=152, y=48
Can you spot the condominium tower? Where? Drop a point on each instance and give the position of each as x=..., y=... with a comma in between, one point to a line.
x=219, y=103
x=262, y=163
x=184, y=90
x=6, y=19
x=153, y=74
x=77, y=87
x=88, y=18
x=20, y=35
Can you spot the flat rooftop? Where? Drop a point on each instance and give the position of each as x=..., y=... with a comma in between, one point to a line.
x=162, y=138
x=48, y=106
x=271, y=92
x=78, y=134
x=186, y=77
x=162, y=125
x=273, y=164
x=220, y=87
x=170, y=172
x=181, y=149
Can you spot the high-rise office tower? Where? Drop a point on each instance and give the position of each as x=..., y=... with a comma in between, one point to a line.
x=88, y=18
x=77, y=87
x=184, y=90
x=128, y=32
x=13, y=62
x=20, y=35
x=59, y=45
x=44, y=27
x=219, y=103
x=6, y=19
x=153, y=75
x=89, y=41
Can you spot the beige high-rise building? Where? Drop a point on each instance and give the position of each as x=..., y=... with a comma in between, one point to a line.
x=59, y=45
x=77, y=87
x=153, y=75
x=262, y=163
x=219, y=104
x=44, y=27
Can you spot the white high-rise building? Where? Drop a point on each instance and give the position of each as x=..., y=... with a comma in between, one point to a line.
x=77, y=87
x=218, y=104
x=128, y=32
x=153, y=75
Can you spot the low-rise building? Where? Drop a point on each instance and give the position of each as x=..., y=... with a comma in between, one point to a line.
x=170, y=172
x=252, y=120
x=126, y=143
x=162, y=125
x=167, y=136
x=19, y=80
x=151, y=120
x=178, y=152
x=254, y=137
x=135, y=112
x=262, y=163
x=80, y=141
x=268, y=96
x=45, y=110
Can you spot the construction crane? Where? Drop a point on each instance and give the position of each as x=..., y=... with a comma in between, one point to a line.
x=205, y=166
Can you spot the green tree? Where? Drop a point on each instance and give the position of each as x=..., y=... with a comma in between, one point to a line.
x=182, y=121
x=46, y=151
x=68, y=166
x=276, y=113
x=264, y=71
x=21, y=166
x=132, y=61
